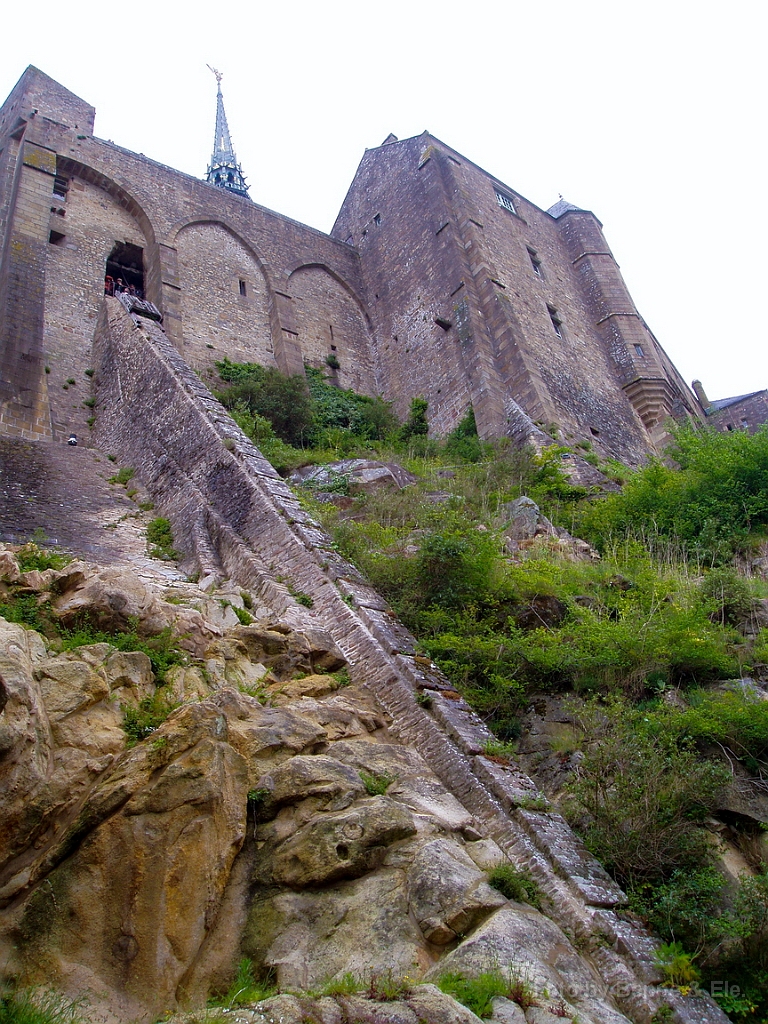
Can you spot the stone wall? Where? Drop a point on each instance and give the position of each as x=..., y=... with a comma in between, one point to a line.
x=748, y=414
x=199, y=242
x=504, y=300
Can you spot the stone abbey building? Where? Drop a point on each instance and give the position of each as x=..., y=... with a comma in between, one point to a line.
x=437, y=280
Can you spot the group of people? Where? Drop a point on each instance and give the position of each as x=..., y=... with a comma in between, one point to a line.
x=114, y=286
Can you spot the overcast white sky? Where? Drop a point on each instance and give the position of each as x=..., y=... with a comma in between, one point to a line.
x=650, y=114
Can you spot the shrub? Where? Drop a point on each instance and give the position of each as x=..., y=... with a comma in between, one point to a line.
x=244, y=988
x=139, y=722
x=376, y=784
x=416, y=425
x=515, y=885
x=711, y=502
x=162, y=650
x=639, y=796
x=751, y=911
x=264, y=391
x=160, y=539
x=123, y=475
x=33, y=557
x=477, y=994
x=677, y=966
x=686, y=909
x=24, y=610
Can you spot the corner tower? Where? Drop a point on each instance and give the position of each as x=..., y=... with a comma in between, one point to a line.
x=224, y=171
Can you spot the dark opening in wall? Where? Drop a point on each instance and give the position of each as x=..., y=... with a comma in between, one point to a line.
x=442, y=322
x=60, y=186
x=594, y=431
x=56, y=238
x=557, y=323
x=125, y=269
x=243, y=290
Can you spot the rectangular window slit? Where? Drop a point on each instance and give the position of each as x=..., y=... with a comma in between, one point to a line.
x=535, y=262
x=242, y=288
x=557, y=323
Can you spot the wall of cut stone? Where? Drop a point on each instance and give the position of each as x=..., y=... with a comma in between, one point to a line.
x=330, y=324
x=91, y=221
x=199, y=242
x=224, y=298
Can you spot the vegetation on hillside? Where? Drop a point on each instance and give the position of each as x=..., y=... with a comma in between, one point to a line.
x=666, y=612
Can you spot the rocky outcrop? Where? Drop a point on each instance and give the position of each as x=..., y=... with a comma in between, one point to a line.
x=355, y=476
x=290, y=827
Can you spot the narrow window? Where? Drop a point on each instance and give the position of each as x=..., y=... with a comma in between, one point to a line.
x=60, y=186
x=377, y=219
x=535, y=262
x=56, y=238
x=505, y=200
x=242, y=287
x=744, y=423
x=557, y=323
x=639, y=351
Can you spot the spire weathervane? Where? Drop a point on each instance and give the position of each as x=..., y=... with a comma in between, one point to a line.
x=224, y=171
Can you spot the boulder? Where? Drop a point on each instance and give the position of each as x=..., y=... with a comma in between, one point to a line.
x=335, y=846
x=361, y=476
x=308, y=937
x=317, y=776
x=447, y=893
x=132, y=900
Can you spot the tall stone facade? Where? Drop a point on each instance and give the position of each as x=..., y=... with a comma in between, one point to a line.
x=437, y=280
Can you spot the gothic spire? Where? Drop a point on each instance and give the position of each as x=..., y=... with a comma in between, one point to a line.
x=224, y=171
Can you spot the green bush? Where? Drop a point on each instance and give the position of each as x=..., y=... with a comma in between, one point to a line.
x=639, y=797
x=139, y=722
x=712, y=502
x=686, y=909
x=416, y=425
x=264, y=391
x=515, y=885
x=734, y=719
x=30, y=557
x=477, y=994
x=244, y=989
x=162, y=650
x=160, y=539
x=376, y=784
x=123, y=475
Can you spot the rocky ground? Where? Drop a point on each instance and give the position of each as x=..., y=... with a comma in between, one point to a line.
x=270, y=816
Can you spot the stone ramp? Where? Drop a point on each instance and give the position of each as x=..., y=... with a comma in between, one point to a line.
x=54, y=491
